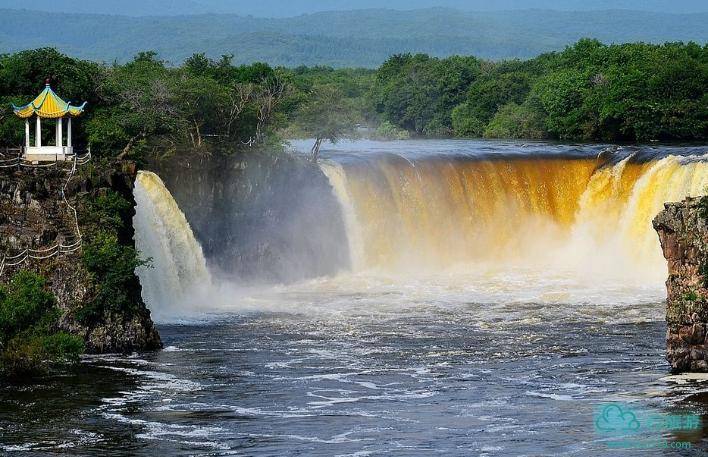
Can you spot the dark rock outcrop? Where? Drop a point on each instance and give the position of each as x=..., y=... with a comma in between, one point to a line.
x=683, y=231
x=33, y=215
x=259, y=216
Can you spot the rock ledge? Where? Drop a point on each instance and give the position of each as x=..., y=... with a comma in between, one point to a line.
x=683, y=231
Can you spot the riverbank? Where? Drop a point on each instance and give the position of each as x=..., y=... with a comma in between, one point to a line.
x=73, y=232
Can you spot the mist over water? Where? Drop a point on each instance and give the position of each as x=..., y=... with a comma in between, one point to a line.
x=486, y=222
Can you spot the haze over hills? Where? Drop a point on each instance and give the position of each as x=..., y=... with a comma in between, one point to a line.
x=340, y=38
x=280, y=8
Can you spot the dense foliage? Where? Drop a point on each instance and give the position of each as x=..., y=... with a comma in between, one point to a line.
x=29, y=340
x=109, y=257
x=418, y=92
x=590, y=91
x=145, y=107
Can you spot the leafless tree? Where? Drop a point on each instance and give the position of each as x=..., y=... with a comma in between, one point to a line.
x=267, y=99
x=239, y=97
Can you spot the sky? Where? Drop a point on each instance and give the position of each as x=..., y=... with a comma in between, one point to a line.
x=286, y=8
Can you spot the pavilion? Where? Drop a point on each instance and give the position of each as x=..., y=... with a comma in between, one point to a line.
x=48, y=105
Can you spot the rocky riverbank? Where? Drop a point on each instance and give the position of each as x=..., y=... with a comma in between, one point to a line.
x=33, y=215
x=683, y=230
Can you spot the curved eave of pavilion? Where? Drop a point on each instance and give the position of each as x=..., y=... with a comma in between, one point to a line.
x=48, y=105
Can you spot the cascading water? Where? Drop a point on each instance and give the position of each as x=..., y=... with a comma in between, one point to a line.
x=613, y=223
x=178, y=271
x=510, y=226
x=570, y=213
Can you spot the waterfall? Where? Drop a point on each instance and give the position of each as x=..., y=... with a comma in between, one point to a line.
x=583, y=222
x=178, y=270
x=337, y=178
x=616, y=210
x=580, y=214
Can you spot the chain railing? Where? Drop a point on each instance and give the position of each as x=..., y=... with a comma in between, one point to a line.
x=58, y=248
x=18, y=159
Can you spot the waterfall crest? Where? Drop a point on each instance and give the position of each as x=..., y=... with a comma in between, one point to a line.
x=178, y=271
x=566, y=213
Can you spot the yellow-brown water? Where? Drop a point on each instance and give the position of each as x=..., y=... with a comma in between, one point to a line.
x=429, y=213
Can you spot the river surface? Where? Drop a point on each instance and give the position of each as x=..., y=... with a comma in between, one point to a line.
x=491, y=356
x=436, y=378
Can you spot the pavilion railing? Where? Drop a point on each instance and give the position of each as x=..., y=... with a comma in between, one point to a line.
x=15, y=158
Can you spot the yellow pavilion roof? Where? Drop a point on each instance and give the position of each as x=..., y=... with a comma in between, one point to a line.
x=48, y=105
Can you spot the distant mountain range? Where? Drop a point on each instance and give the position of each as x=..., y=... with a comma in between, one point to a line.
x=339, y=38
x=286, y=8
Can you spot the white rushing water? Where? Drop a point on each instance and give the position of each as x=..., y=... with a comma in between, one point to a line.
x=178, y=272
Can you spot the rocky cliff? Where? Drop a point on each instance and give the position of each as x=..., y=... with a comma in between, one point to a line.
x=34, y=215
x=260, y=216
x=683, y=231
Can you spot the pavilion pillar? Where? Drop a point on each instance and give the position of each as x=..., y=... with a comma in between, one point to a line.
x=68, y=132
x=60, y=132
x=27, y=133
x=38, y=133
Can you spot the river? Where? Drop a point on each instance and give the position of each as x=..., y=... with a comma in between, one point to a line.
x=497, y=295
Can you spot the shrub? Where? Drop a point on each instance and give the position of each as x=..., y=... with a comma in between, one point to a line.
x=24, y=303
x=388, y=131
x=108, y=211
x=703, y=207
x=703, y=271
x=690, y=296
x=437, y=128
x=113, y=267
x=465, y=123
x=29, y=338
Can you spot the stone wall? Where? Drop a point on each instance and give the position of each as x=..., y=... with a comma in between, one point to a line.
x=683, y=231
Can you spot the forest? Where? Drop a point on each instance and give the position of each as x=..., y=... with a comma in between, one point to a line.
x=588, y=92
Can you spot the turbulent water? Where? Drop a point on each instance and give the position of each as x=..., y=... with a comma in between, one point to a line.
x=177, y=271
x=497, y=293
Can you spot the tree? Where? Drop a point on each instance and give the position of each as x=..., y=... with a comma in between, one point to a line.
x=137, y=109
x=418, y=92
x=269, y=95
x=325, y=115
x=516, y=121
